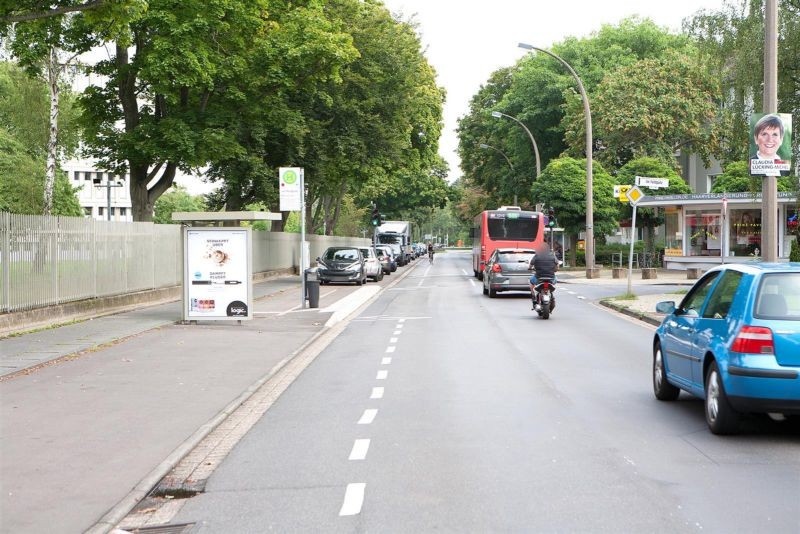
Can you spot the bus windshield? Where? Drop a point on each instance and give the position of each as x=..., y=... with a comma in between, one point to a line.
x=512, y=226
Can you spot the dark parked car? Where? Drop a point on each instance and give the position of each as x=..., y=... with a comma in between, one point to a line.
x=507, y=270
x=734, y=341
x=342, y=264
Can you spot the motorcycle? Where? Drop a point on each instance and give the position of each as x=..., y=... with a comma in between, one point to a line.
x=544, y=301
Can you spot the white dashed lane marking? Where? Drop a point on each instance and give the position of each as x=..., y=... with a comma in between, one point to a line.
x=386, y=361
x=390, y=349
x=377, y=393
x=353, y=499
x=368, y=417
x=360, y=448
x=382, y=375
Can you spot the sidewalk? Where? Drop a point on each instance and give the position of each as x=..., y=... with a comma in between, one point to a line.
x=91, y=410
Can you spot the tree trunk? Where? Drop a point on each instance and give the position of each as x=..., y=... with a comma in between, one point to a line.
x=53, y=70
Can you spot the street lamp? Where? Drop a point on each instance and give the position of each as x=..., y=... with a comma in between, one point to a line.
x=589, y=198
x=497, y=115
x=98, y=182
x=485, y=146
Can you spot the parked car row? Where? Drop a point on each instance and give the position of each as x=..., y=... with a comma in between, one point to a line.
x=356, y=264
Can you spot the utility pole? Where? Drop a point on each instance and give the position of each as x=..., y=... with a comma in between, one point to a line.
x=769, y=191
x=98, y=182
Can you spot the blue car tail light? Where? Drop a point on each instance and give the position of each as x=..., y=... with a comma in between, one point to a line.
x=754, y=340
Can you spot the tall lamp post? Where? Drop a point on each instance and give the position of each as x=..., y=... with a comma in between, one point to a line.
x=98, y=182
x=589, y=195
x=489, y=147
x=498, y=114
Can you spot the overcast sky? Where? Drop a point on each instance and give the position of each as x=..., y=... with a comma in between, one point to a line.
x=467, y=40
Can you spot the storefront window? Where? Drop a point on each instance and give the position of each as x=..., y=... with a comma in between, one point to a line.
x=704, y=230
x=745, y=232
x=673, y=239
x=792, y=220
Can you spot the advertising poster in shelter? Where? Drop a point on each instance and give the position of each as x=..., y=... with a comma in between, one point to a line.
x=217, y=281
x=770, y=144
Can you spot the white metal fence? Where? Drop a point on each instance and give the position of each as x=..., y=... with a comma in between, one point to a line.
x=46, y=261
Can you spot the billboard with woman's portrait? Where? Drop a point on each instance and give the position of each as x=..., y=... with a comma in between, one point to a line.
x=770, y=144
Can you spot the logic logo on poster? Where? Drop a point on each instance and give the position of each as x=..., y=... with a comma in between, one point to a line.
x=770, y=144
x=217, y=268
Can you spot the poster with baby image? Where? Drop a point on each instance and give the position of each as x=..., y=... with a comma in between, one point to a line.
x=770, y=144
x=217, y=273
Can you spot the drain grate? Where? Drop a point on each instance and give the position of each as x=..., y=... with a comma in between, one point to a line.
x=182, y=528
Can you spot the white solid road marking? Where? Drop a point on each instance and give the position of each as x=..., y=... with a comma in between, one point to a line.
x=386, y=361
x=465, y=272
x=353, y=499
x=382, y=375
x=360, y=448
x=377, y=393
x=390, y=349
x=393, y=340
x=471, y=281
x=368, y=417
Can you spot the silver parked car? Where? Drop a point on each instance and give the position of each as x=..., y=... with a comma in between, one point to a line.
x=373, y=264
x=507, y=270
x=388, y=253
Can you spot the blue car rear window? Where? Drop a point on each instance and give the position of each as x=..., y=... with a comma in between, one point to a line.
x=778, y=297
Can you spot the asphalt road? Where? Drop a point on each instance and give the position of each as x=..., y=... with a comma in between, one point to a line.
x=439, y=409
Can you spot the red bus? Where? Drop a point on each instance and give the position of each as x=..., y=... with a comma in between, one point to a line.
x=507, y=226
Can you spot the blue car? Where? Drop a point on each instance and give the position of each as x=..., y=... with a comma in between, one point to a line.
x=734, y=341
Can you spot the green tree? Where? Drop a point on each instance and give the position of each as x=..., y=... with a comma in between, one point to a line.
x=650, y=218
x=175, y=87
x=652, y=107
x=542, y=94
x=736, y=179
x=562, y=186
x=24, y=110
x=22, y=182
x=732, y=39
x=177, y=199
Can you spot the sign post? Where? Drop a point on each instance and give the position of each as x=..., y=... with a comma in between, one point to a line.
x=293, y=198
x=634, y=195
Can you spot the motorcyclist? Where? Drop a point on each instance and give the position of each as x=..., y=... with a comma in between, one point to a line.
x=544, y=264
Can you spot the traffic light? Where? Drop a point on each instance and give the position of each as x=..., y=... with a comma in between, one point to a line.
x=551, y=218
x=376, y=216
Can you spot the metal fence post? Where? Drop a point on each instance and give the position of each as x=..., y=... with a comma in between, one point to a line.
x=5, y=257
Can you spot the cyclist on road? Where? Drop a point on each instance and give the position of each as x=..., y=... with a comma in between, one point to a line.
x=430, y=252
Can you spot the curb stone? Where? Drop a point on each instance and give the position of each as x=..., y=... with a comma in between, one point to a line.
x=646, y=317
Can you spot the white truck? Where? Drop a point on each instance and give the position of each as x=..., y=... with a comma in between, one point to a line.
x=396, y=234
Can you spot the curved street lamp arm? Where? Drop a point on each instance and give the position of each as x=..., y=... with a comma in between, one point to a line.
x=589, y=192
x=533, y=142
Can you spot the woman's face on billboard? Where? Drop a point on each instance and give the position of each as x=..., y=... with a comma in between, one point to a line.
x=769, y=141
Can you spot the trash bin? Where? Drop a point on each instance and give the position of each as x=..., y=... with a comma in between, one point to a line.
x=312, y=288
